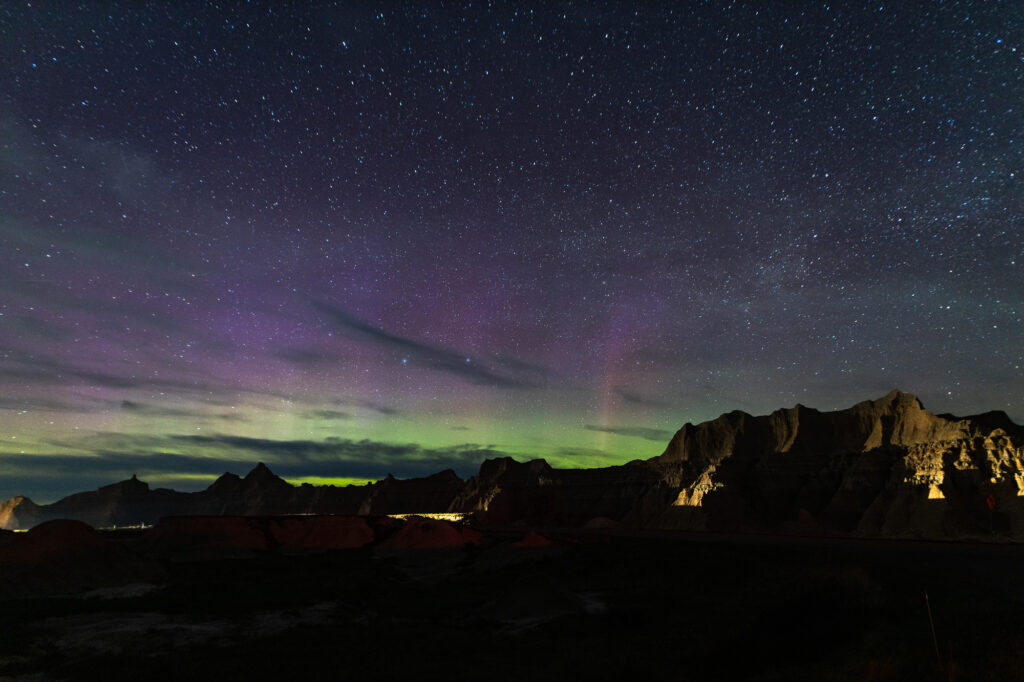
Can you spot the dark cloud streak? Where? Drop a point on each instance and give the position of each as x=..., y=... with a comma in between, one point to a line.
x=637, y=399
x=438, y=358
x=656, y=435
x=147, y=455
x=327, y=414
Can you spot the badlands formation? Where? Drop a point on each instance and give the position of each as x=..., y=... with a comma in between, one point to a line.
x=882, y=468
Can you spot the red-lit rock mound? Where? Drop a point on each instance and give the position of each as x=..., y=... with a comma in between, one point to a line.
x=533, y=539
x=321, y=532
x=64, y=557
x=205, y=537
x=52, y=541
x=425, y=533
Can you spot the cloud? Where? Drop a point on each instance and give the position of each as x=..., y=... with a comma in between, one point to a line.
x=42, y=405
x=47, y=477
x=656, y=435
x=113, y=465
x=522, y=366
x=576, y=457
x=37, y=369
x=637, y=399
x=368, y=405
x=149, y=410
x=327, y=414
x=115, y=457
x=435, y=357
x=42, y=370
x=95, y=405
x=306, y=358
x=334, y=456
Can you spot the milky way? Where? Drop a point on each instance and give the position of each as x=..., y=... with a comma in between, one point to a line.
x=370, y=238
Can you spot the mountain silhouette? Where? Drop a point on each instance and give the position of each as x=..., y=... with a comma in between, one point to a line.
x=885, y=467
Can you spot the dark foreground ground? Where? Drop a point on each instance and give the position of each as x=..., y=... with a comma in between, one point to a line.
x=588, y=607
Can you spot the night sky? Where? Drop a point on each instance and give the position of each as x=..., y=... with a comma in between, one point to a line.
x=370, y=238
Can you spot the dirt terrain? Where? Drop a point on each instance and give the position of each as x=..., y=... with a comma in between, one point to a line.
x=426, y=600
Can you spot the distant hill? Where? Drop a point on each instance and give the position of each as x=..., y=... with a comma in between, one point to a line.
x=882, y=468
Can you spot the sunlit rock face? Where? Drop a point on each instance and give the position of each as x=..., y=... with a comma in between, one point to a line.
x=898, y=419
x=880, y=468
x=19, y=513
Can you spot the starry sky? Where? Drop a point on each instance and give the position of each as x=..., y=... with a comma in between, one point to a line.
x=376, y=237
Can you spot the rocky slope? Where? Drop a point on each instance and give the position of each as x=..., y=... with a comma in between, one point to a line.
x=886, y=467
x=19, y=512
